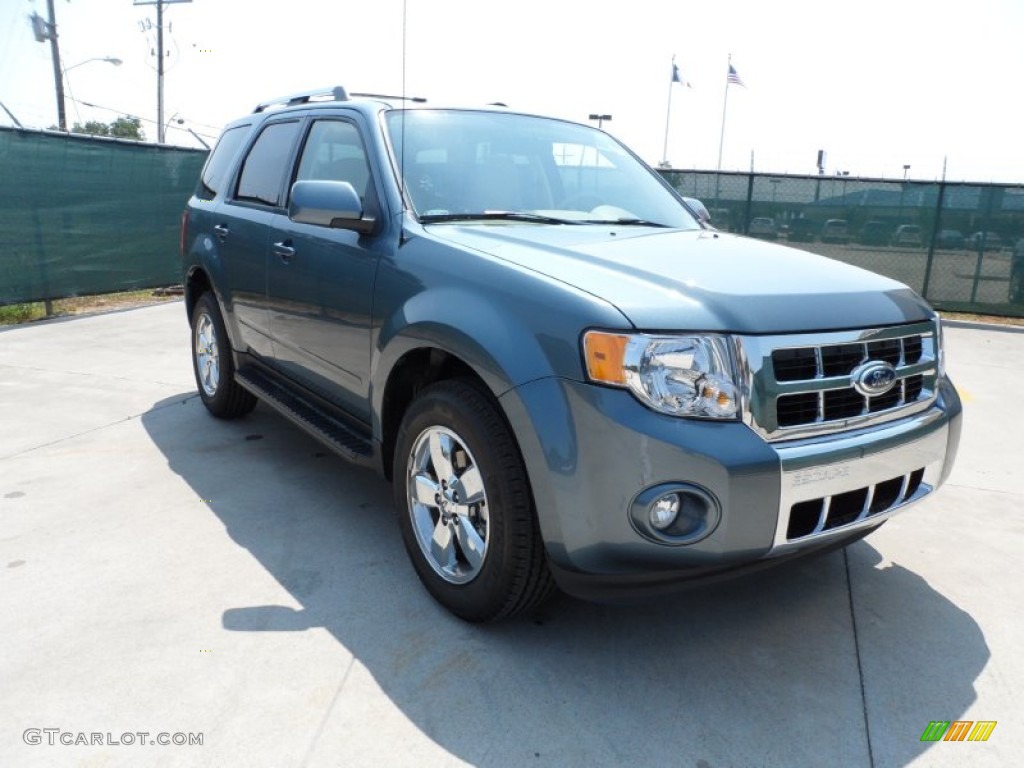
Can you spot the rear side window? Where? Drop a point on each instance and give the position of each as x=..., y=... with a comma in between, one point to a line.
x=266, y=166
x=219, y=165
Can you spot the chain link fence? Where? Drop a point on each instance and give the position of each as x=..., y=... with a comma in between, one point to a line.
x=83, y=215
x=960, y=245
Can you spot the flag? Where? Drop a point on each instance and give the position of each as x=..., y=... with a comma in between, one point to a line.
x=734, y=76
x=677, y=77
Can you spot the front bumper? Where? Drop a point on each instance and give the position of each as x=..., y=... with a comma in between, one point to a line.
x=590, y=451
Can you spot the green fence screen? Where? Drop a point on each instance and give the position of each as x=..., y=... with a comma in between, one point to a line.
x=82, y=215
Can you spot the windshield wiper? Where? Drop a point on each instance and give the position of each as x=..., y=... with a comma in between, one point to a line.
x=627, y=222
x=434, y=218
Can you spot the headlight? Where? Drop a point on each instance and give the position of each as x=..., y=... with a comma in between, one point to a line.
x=677, y=375
x=940, y=343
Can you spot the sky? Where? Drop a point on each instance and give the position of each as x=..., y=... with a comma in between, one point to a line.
x=877, y=84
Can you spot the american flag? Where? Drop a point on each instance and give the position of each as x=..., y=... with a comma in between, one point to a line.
x=677, y=77
x=734, y=76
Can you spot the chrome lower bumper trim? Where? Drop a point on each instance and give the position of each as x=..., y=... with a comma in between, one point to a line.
x=856, y=462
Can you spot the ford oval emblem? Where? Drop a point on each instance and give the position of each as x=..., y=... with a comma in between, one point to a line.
x=875, y=377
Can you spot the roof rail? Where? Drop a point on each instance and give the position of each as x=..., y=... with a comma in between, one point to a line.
x=337, y=93
x=415, y=99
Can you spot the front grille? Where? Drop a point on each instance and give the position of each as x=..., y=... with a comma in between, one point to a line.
x=831, y=512
x=836, y=404
x=803, y=385
x=840, y=359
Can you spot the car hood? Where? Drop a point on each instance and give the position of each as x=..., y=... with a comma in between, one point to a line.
x=698, y=280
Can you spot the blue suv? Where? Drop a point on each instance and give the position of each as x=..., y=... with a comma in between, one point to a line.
x=567, y=377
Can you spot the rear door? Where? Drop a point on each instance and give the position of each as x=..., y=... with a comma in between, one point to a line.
x=242, y=228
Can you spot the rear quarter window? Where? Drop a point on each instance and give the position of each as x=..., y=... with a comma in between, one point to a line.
x=219, y=164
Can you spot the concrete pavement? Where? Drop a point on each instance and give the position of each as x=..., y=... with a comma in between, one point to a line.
x=164, y=572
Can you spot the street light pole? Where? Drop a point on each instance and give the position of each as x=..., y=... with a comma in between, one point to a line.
x=600, y=119
x=109, y=59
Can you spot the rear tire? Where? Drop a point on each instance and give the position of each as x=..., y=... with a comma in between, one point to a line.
x=465, y=507
x=213, y=364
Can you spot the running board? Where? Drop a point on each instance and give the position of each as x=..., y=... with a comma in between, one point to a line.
x=309, y=415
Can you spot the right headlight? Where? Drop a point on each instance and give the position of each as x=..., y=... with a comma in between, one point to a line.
x=678, y=375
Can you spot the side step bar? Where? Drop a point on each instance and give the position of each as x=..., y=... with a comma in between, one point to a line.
x=309, y=415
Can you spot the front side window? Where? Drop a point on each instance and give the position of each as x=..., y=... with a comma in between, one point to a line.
x=265, y=167
x=459, y=163
x=334, y=152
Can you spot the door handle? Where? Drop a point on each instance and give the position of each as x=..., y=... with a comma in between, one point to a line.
x=284, y=250
x=221, y=231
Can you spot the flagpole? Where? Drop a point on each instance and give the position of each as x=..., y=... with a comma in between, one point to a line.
x=725, y=106
x=668, y=119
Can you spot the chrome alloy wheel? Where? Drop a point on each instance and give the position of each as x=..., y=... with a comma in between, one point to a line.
x=207, y=355
x=448, y=505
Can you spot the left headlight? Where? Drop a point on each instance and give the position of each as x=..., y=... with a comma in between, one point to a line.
x=678, y=375
x=940, y=343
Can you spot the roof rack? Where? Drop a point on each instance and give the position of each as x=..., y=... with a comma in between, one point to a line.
x=414, y=99
x=337, y=93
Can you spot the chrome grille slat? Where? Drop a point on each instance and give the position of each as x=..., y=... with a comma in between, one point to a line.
x=812, y=393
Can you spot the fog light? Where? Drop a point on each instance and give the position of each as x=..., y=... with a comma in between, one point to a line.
x=664, y=511
x=676, y=514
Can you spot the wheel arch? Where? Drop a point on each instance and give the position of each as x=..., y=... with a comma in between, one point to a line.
x=416, y=369
x=197, y=282
x=451, y=332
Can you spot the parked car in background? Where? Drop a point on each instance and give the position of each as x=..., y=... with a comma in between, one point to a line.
x=764, y=228
x=984, y=241
x=949, y=239
x=874, y=232
x=1017, y=274
x=835, y=231
x=907, y=236
x=802, y=231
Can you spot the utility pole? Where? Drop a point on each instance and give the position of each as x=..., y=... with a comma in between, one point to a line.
x=58, y=78
x=46, y=29
x=159, y=60
x=159, y=71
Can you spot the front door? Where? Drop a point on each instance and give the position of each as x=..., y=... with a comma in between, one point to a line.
x=320, y=279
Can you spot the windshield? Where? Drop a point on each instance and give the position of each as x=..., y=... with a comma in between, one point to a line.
x=463, y=165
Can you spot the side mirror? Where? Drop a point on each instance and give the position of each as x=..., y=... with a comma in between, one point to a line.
x=699, y=208
x=328, y=204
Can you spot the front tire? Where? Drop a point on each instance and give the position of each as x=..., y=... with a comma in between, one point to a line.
x=465, y=507
x=213, y=364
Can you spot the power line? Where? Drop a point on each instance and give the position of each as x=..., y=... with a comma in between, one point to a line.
x=138, y=117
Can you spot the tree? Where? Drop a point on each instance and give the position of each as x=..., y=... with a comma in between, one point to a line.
x=122, y=128
x=127, y=128
x=93, y=127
